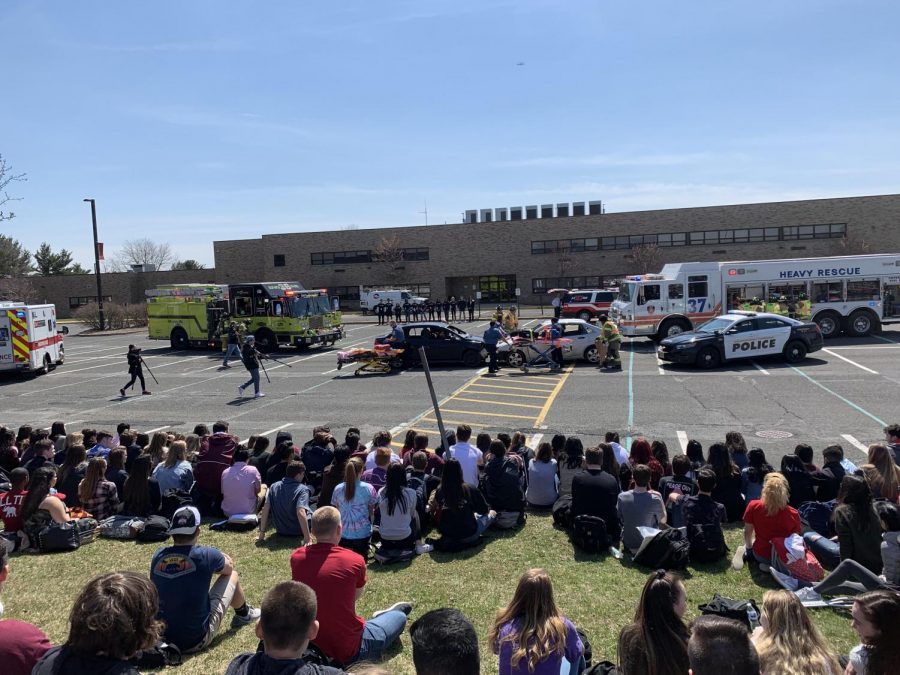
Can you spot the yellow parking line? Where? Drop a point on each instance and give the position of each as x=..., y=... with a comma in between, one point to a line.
x=553, y=395
x=500, y=386
x=487, y=414
x=480, y=400
x=470, y=422
x=503, y=393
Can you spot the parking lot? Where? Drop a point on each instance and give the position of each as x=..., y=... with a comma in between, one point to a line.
x=842, y=394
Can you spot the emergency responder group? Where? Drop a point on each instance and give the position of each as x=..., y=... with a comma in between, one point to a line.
x=450, y=309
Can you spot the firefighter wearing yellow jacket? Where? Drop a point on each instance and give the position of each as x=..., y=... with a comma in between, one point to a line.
x=612, y=339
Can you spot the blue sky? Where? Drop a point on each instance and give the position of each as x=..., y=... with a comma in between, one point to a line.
x=194, y=121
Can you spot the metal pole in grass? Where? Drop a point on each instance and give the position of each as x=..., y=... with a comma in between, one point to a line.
x=434, y=403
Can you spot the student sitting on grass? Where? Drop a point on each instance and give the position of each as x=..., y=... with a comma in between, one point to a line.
x=21, y=644
x=876, y=620
x=787, y=640
x=286, y=625
x=40, y=507
x=460, y=510
x=400, y=528
x=444, y=642
x=140, y=496
x=543, y=479
x=766, y=520
x=112, y=619
x=175, y=473
x=356, y=502
x=240, y=485
x=720, y=646
x=639, y=507
x=656, y=642
x=531, y=636
x=287, y=502
x=191, y=609
x=98, y=496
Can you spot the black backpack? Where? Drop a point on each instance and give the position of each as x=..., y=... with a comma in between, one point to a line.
x=172, y=500
x=589, y=534
x=737, y=610
x=156, y=528
x=669, y=550
x=707, y=542
x=562, y=510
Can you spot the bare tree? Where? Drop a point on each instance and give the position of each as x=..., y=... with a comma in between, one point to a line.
x=646, y=258
x=389, y=256
x=142, y=252
x=18, y=289
x=566, y=264
x=6, y=177
x=853, y=245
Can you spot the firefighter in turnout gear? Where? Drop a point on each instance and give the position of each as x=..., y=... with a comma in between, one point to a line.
x=135, y=370
x=612, y=339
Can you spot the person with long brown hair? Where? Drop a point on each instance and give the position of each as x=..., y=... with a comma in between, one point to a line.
x=40, y=507
x=882, y=474
x=158, y=447
x=728, y=481
x=788, y=642
x=530, y=634
x=356, y=501
x=461, y=512
x=71, y=473
x=99, y=496
x=120, y=604
x=655, y=643
x=876, y=619
x=140, y=494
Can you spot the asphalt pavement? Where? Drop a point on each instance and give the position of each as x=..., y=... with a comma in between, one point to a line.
x=843, y=394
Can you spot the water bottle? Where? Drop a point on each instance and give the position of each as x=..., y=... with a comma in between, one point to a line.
x=752, y=617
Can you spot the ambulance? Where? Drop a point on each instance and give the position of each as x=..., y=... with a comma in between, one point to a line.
x=842, y=294
x=30, y=341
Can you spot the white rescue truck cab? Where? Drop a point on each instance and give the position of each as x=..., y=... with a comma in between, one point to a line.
x=849, y=294
x=30, y=341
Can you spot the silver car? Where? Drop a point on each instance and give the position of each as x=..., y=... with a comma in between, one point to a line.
x=581, y=333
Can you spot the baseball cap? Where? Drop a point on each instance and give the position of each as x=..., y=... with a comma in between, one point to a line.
x=185, y=521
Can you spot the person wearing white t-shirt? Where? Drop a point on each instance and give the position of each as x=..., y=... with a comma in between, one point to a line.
x=469, y=457
x=382, y=439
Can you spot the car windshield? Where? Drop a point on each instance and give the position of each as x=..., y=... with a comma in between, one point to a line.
x=627, y=292
x=458, y=331
x=713, y=325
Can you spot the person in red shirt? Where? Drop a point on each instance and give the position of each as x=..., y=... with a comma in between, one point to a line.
x=769, y=518
x=11, y=502
x=21, y=644
x=338, y=576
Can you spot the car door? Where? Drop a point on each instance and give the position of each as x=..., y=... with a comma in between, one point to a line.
x=738, y=338
x=772, y=333
x=577, y=334
x=752, y=337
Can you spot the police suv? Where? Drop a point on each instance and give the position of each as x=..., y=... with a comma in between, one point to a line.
x=741, y=335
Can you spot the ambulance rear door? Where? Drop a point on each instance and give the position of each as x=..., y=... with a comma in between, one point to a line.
x=6, y=346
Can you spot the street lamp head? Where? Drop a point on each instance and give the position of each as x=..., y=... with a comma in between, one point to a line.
x=89, y=200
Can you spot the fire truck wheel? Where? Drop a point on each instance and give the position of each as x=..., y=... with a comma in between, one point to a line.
x=179, y=339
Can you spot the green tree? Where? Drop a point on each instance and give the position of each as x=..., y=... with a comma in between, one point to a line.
x=189, y=264
x=15, y=261
x=47, y=263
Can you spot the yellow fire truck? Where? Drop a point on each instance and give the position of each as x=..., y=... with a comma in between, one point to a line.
x=277, y=313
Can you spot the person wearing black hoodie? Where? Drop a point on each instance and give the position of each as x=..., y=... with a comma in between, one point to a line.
x=125, y=603
x=286, y=626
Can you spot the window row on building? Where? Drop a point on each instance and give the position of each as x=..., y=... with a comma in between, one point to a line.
x=355, y=257
x=80, y=300
x=667, y=239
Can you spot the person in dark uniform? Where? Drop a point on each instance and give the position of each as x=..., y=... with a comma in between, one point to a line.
x=251, y=363
x=430, y=307
x=453, y=307
x=379, y=310
x=398, y=311
x=446, y=307
x=234, y=344
x=407, y=310
x=461, y=307
x=471, y=308
x=135, y=370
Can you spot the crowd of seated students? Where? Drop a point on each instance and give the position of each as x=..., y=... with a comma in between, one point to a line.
x=461, y=492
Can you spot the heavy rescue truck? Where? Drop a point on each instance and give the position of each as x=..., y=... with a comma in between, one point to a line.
x=277, y=313
x=30, y=341
x=850, y=294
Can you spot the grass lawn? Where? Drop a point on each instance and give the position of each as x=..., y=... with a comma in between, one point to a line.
x=598, y=594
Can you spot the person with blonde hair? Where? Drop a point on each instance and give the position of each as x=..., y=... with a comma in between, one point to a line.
x=766, y=519
x=356, y=501
x=530, y=635
x=882, y=474
x=788, y=642
x=98, y=496
x=175, y=473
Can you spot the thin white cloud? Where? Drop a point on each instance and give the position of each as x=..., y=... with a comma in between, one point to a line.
x=180, y=115
x=619, y=160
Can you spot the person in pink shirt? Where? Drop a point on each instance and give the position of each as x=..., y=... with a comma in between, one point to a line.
x=240, y=485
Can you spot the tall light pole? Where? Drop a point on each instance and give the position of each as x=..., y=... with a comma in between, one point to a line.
x=97, y=264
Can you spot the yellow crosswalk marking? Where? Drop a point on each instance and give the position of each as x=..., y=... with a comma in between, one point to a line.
x=512, y=405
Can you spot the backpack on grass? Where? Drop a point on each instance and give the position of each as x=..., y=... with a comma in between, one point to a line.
x=707, y=543
x=589, y=534
x=668, y=549
x=156, y=528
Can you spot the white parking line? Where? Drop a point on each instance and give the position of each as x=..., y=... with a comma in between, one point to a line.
x=333, y=370
x=153, y=431
x=855, y=443
x=682, y=440
x=852, y=363
x=868, y=347
x=760, y=368
x=271, y=431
